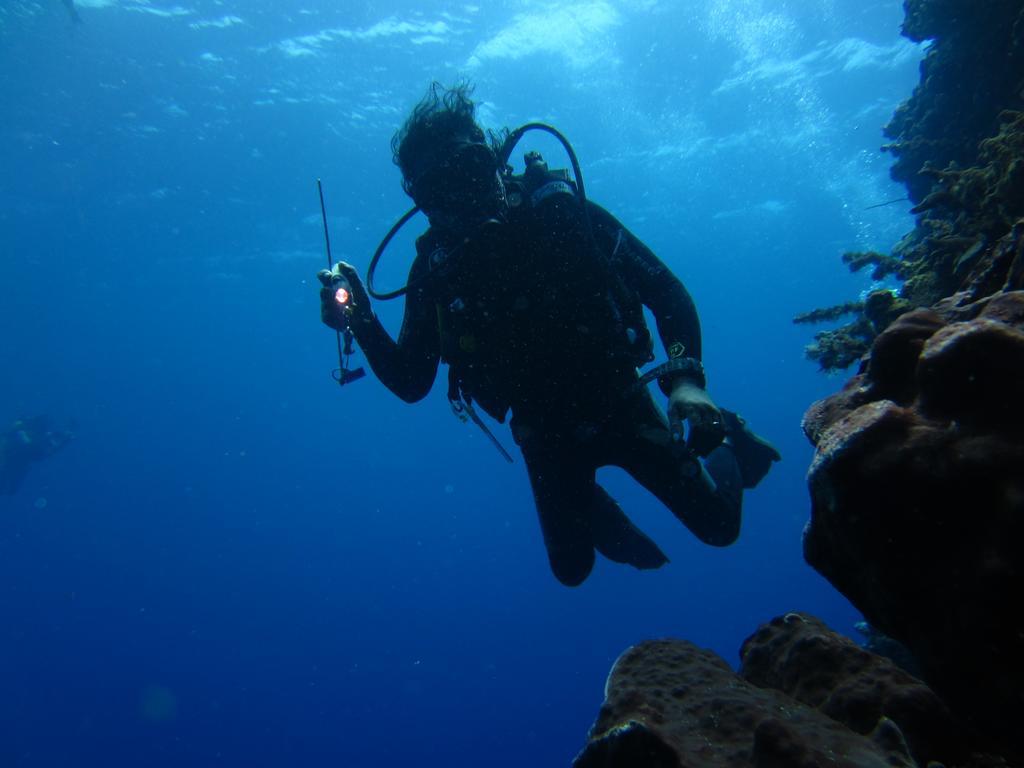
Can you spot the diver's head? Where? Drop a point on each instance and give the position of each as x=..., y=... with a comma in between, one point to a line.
x=449, y=165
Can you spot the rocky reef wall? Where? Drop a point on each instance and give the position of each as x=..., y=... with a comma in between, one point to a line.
x=917, y=484
x=972, y=72
x=958, y=144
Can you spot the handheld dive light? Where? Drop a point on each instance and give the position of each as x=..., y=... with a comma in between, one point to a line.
x=343, y=295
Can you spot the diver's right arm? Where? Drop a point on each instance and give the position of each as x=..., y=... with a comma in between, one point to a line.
x=406, y=367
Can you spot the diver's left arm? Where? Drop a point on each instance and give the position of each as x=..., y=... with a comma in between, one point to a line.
x=655, y=285
x=678, y=327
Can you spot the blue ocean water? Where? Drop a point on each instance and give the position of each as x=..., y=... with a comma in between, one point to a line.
x=237, y=563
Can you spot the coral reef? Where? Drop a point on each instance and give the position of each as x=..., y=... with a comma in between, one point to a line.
x=842, y=347
x=965, y=239
x=798, y=655
x=918, y=497
x=959, y=150
x=973, y=70
x=670, y=704
x=804, y=696
x=965, y=217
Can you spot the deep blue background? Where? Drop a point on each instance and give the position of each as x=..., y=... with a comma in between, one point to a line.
x=238, y=564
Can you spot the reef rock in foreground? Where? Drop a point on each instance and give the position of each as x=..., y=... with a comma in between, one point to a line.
x=804, y=697
x=917, y=490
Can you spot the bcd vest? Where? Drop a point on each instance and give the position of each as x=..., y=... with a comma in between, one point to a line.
x=533, y=302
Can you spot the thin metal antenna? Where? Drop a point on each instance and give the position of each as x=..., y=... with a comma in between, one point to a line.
x=330, y=265
x=323, y=215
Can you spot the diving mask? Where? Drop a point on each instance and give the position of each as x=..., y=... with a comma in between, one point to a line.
x=463, y=181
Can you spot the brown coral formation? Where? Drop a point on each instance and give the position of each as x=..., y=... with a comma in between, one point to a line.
x=918, y=500
x=670, y=704
x=798, y=655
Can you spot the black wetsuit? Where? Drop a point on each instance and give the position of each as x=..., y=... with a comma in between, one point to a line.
x=532, y=320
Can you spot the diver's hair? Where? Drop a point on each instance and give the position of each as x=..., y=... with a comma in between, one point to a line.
x=441, y=115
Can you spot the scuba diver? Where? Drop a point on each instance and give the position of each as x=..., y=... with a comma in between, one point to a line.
x=534, y=297
x=26, y=442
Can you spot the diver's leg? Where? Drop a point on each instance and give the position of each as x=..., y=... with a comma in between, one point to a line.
x=617, y=538
x=706, y=497
x=563, y=489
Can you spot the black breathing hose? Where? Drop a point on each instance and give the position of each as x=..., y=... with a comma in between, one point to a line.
x=504, y=154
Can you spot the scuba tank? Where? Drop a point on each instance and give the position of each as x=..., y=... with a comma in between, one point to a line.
x=561, y=200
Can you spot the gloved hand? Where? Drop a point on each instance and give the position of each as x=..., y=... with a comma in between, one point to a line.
x=689, y=402
x=333, y=313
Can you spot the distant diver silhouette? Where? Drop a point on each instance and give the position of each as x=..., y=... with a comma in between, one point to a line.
x=25, y=442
